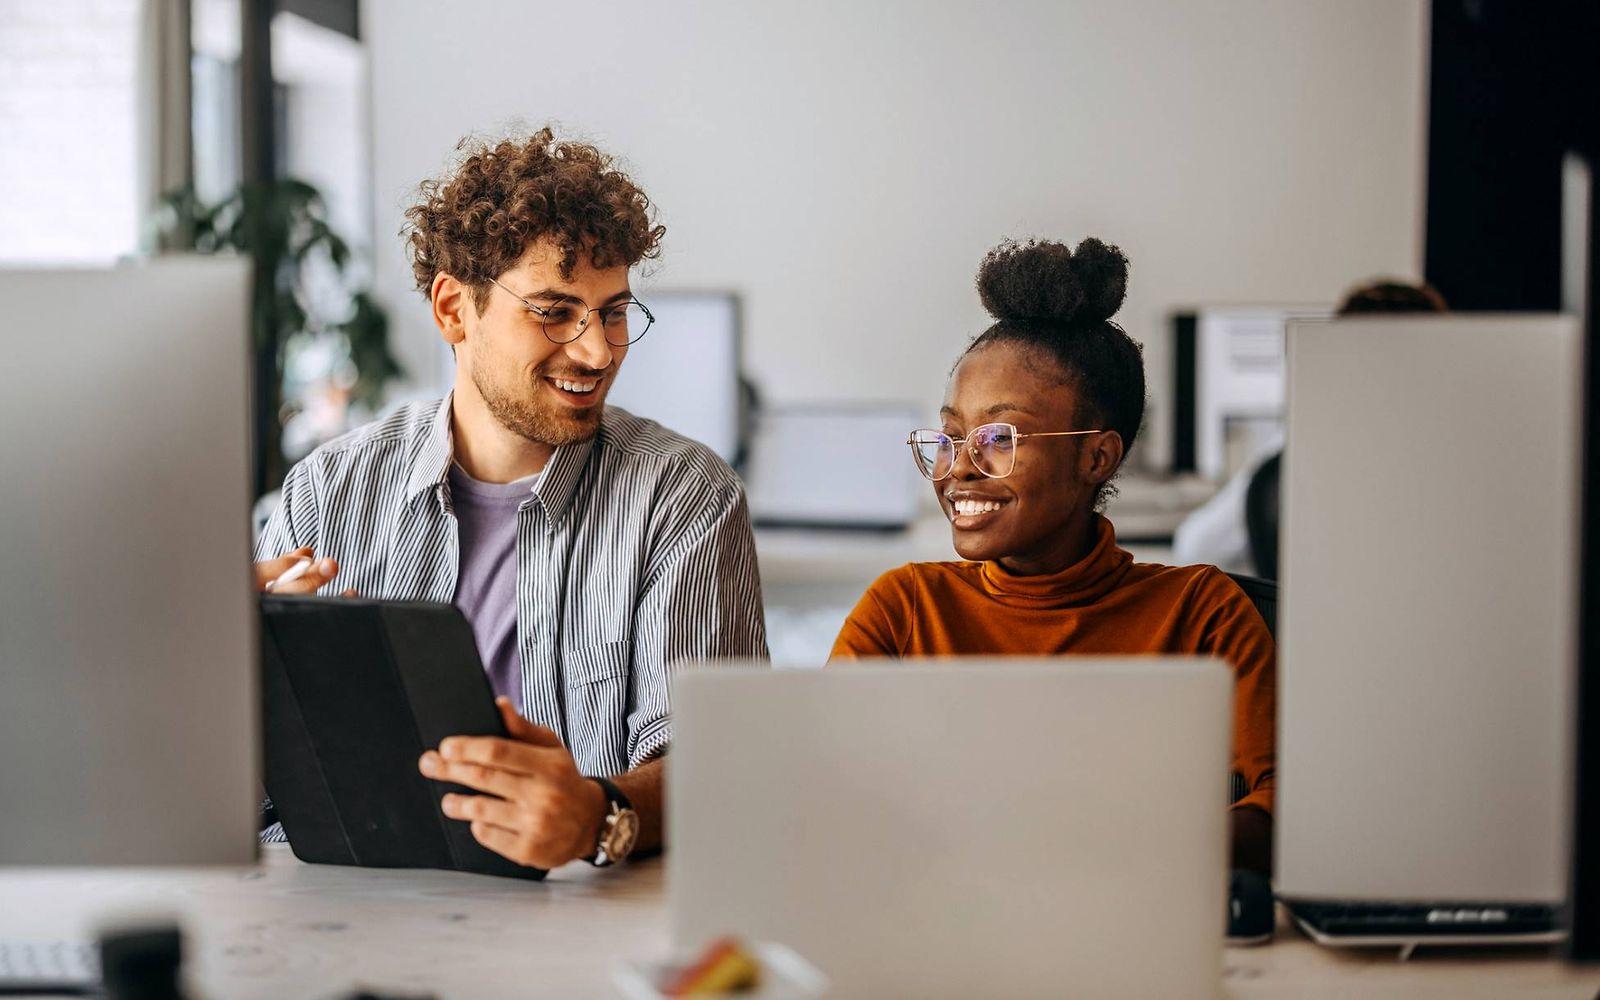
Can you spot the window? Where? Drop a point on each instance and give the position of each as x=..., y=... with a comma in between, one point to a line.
x=69, y=130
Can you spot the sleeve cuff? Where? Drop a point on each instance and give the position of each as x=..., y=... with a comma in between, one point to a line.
x=651, y=740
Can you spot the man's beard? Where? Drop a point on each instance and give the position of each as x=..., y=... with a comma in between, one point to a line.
x=542, y=424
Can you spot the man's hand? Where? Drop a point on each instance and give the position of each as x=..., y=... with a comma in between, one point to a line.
x=319, y=573
x=537, y=810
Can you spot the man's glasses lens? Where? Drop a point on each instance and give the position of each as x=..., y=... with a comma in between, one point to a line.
x=565, y=320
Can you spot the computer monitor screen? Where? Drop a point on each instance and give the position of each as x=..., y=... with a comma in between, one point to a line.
x=128, y=704
x=685, y=372
x=1228, y=384
x=835, y=466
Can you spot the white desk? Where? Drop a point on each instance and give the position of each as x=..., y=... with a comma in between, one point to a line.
x=287, y=930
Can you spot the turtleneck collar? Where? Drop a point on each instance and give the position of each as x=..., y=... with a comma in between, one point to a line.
x=1084, y=582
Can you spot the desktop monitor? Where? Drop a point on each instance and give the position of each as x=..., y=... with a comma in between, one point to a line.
x=128, y=691
x=835, y=466
x=685, y=372
x=1427, y=635
x=1228, y=373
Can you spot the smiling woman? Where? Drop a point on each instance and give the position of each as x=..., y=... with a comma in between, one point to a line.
x=1038, y=416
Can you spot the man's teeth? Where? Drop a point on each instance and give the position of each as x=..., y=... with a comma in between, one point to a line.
x=966, y=508
x=575, y=386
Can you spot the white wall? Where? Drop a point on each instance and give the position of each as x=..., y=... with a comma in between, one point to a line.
x=845, y=165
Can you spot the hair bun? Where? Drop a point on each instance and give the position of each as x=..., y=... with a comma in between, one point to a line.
x=1049, y=282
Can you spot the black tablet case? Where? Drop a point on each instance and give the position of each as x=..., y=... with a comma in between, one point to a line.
x=353, y=692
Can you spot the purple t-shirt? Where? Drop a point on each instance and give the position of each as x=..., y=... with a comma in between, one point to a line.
x=486, y=586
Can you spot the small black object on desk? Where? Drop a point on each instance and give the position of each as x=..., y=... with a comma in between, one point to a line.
x=1251, y=917
x=142, y=964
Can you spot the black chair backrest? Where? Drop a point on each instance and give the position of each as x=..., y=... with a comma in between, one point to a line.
x=1263, y=594
x=1261, y=516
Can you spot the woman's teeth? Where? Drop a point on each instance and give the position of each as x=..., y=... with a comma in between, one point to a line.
x=562, y=383
x=966, y=508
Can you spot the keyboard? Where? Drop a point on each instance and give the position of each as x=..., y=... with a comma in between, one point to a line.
x=1392, y=922
x=56, y=967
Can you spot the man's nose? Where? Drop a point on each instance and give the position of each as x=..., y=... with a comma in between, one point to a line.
x=591, y=349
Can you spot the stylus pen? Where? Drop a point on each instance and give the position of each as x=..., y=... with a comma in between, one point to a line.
x=291, y=574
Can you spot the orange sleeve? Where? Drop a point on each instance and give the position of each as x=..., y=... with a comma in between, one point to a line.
x=880, y=624
x=1234, y=630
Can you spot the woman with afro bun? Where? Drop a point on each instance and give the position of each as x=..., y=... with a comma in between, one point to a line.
x=1039, y=414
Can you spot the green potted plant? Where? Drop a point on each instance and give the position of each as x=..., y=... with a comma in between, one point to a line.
x=282, y=226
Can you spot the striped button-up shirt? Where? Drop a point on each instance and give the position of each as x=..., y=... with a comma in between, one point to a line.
x=634, y=554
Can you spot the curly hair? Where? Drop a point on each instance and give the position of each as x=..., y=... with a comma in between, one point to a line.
x=1057, y=300
x=478, y=222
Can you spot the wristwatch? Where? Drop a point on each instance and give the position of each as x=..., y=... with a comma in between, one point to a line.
x=620, y=830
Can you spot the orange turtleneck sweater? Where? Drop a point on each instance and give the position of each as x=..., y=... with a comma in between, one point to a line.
x=1104, y=604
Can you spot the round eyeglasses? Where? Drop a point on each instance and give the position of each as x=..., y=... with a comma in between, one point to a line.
x=566, y=318
x=993, y=448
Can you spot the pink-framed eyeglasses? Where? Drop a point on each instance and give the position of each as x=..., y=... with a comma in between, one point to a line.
x=993, y=448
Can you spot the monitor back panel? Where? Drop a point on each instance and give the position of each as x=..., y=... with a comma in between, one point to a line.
x=128, y=706
x=987, y=829
x=684, y=373
x=1427, y=620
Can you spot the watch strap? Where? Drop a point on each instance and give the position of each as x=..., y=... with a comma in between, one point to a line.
x=616, y=802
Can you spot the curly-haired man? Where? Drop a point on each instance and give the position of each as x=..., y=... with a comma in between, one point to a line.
x=588, y=548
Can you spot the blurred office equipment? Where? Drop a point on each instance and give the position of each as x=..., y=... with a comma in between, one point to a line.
x=1227, y=390
x=50, y=968
x=143, y=962
x=1427, y=638
x=685, y=372
x=834, y=467
x=128, y=708
x=960, y=830
x=1582, y=293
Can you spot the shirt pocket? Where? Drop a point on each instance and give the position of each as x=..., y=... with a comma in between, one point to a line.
x=596, y=698
x=599, y=662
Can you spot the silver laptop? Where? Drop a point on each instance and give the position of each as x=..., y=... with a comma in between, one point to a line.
x=966, y=829
x=1426, y=641
x=128, y=709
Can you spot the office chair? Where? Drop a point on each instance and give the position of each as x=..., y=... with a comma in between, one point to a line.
x=1261, y=517
x=1264, y=595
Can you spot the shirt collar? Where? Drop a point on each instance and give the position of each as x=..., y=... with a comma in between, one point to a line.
x=558, y=483
x=430, y=466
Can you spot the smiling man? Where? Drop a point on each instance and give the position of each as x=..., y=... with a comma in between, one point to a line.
x=588, y=548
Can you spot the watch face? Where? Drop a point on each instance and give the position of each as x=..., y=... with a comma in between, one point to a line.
x=622, y=835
